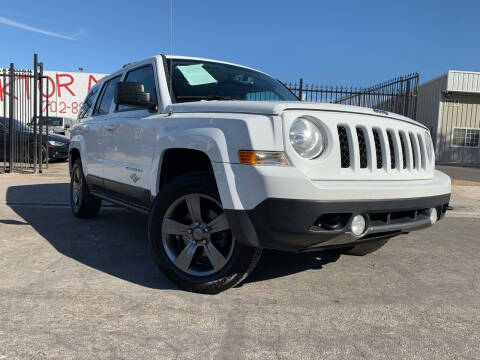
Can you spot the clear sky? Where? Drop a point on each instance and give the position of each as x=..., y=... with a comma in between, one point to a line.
x=347, y=42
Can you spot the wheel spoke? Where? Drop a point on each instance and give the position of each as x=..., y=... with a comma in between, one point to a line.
x=77, y=179
x=76, y=196
x=80, y=196
x=216, y=258
x=173, y=227
x=184, y=259
x=193, y=204
x=220, y=223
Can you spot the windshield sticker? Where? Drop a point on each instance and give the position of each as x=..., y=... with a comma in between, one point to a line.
x=196, y=74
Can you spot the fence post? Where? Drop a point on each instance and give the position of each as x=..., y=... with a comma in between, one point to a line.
x=40, y=112
x=46, y=121
x=35, y=117
x=415, y=95
x=300, y=89
x=4, y=78
x=11, y=123
x=407, y=99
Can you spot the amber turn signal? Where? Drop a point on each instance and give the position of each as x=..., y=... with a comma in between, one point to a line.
x=250, y=157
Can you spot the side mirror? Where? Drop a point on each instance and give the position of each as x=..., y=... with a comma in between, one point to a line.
x=133, y=94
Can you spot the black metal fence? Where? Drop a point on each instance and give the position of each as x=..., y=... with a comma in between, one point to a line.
x=398, y=95
x=23, y=145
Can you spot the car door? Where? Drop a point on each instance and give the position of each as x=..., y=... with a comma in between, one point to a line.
x=101, y=133
x=135, y=129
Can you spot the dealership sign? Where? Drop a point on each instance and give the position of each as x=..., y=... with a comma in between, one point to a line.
x=66, y=91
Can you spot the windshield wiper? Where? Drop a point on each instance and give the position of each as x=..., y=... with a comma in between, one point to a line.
x=206, y=97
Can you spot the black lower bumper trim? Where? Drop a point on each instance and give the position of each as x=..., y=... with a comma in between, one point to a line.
x=286, y=224
x=55, y=154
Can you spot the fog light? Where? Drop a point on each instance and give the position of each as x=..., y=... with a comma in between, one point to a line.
x=433, y=216
x=358, y=225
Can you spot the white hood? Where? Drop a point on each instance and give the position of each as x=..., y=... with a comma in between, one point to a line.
x=276, y=108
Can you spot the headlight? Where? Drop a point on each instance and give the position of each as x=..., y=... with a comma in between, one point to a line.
x=306, y=138
x=429, y=145
x=55, y=143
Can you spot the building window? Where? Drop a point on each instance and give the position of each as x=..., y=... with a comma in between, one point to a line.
x=466, y=138
x=452, y=102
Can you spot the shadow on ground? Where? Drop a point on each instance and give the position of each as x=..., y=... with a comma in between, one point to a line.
x=115, y=242
x=274, y=264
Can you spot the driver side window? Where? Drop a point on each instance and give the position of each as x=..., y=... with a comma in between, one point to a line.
x=144, y=75
x=106, y=97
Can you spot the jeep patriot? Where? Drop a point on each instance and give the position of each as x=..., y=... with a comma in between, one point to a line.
x=226, y=161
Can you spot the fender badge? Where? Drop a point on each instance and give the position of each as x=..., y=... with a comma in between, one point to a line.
x=134, y=178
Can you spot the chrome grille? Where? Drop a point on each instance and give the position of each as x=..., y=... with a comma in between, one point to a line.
x=393, y=149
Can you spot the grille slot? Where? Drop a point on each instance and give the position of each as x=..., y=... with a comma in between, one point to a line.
x=378, y=148
x=404, y=152
x=344, y=147
x=423, y=151
x=362, y=146
x=393, y=164
x=414, y=150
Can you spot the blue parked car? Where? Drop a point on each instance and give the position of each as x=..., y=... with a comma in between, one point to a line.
x=57, y=145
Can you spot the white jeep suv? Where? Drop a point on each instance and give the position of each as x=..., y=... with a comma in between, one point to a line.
x=225, y=161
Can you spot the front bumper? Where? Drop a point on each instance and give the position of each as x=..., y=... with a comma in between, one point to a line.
x=58, y=152
x=299, y=225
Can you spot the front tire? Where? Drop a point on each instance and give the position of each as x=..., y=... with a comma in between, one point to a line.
x=191, y=241
x=83, y=204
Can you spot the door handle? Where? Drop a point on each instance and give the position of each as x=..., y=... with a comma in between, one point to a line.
x=110, y=127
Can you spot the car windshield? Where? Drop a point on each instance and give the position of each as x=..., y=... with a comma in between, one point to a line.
x=195, y=80
x=52, y=121
x=18, y=125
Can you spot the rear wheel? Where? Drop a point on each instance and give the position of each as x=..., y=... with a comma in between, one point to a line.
x=366, y=248
x=83, y=204
x=191, y=240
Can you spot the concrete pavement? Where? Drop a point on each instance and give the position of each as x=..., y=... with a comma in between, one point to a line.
x=462, y=175
x=88, y=289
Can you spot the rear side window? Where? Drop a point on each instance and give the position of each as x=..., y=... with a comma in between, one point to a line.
x=106, y=97
x=145, y=76
x=88, y=103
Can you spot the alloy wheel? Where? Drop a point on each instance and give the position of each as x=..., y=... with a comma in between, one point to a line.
x=196, y=235
x=77, y=189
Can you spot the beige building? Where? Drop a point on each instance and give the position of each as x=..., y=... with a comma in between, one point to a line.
x=449, y=106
